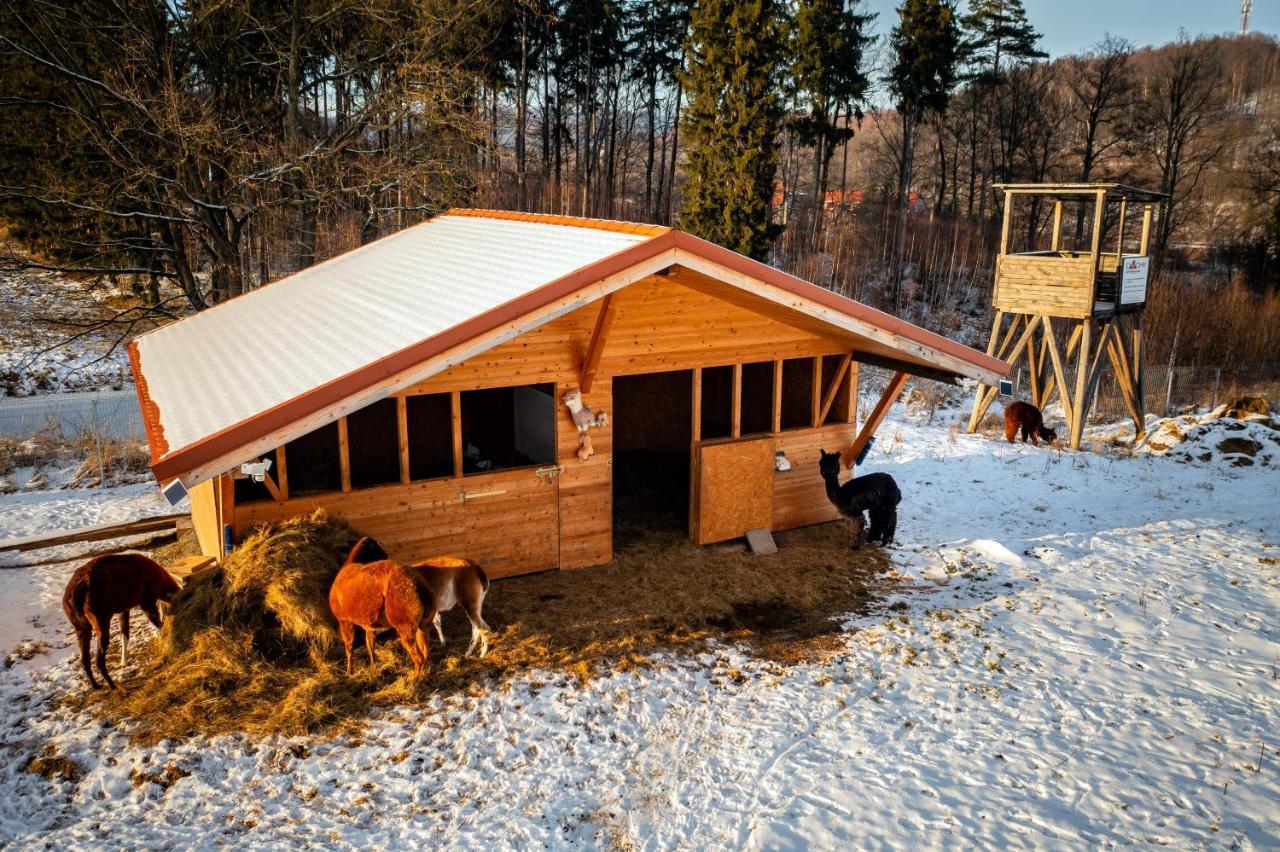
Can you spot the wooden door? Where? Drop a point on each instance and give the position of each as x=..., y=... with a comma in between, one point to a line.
x=512, y=520
x=733, y=489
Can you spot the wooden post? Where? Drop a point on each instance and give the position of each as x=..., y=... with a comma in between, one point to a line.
x=1058, y=373
x=455, y=410
x=1145, y=243
x=282, y=472
x=1137, y=354
x=1004, y=225
x=696, y=427
x=1033, y=367
x=1124, y=210
x=851, y=409
x=735, y=416
x=1082, y=381
x=1100, y=207
x=402, y=430
x=777, y=397
x=1057, y=226
x=344, y=455
x=815, y=398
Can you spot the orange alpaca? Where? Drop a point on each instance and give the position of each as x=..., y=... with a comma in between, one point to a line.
x=1025, y=416
x=379, y=595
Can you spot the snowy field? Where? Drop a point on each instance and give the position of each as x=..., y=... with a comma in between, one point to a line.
x=1088, y=656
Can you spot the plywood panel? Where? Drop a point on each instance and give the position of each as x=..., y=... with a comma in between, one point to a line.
x=734, y=488
x=204, y=517
x=799, y=495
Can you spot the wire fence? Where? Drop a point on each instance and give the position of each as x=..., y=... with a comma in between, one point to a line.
x=109, y=414
x=1169, y=390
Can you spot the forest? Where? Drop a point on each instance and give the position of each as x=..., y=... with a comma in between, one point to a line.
x=186, y=152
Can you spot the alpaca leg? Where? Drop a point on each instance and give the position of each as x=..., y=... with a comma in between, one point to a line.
x=877, y=525
x=890, y=525
x=1010, y=430
x=369, y=636
x=348, y=633
x=124, y=638
x=102, y=627
x=435, y=622
x=84, y=636
x=411, y=639
x=857, y=525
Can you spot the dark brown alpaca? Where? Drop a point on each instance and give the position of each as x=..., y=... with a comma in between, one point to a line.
x=380, y=595
x=112, y=584
x=1025, y=416
x=454, y=580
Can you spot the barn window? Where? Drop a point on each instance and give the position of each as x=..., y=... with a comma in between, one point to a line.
x=373, y=445
x=314, y=465
x=757, y=397
x=797, y=393
x=839, y=410
x=717, y=402
x=249, y=491
x=508, y=427
x=429, y=420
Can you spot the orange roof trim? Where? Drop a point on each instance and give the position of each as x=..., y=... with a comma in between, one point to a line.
x=637, y=228
x=150, y=411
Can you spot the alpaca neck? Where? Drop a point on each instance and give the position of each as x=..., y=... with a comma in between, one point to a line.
x=832, y=482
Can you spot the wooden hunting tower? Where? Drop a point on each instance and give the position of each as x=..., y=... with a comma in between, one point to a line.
x=1099, y=293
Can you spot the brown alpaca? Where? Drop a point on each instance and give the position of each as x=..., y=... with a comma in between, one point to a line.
x=104, y=586
x=379, y=595
x=452, y=581
x=1025, y=416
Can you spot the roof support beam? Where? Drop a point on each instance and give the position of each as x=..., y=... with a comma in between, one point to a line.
x=604, y=322
x=834, y=389
x=896, y=384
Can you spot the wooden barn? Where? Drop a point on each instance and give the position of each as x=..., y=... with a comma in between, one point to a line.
x=416, y=386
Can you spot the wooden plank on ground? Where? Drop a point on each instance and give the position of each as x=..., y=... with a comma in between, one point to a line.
x=101, y=532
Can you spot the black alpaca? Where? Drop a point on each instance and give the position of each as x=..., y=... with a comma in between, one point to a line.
x=876, y=493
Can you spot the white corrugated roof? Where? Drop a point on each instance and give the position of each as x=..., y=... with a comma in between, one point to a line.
x=250, y=354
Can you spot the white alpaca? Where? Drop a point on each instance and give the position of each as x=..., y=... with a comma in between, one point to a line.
x=584, y=418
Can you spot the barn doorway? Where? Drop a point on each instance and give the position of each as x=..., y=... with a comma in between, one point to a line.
x=652, y=431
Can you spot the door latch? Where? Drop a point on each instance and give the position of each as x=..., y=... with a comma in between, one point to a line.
x=547, y=474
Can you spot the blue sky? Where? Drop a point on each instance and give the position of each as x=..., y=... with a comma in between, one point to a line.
x=1072, y=25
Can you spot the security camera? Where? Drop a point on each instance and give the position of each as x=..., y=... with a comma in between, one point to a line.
x=257, y=470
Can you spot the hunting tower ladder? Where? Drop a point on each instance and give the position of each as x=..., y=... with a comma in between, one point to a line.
x=1097, y=296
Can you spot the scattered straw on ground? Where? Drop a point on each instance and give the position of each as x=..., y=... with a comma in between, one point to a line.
x=252, y=647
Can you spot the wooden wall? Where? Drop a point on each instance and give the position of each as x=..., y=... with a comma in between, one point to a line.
x=517, y=521
x=1044, y=284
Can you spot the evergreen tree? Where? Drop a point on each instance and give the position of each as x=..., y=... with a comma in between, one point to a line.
x=731, y=123
x=926, y=50
x=998, y=32
x=829, y=39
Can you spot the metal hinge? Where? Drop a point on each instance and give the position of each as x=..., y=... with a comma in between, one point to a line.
x=546, y=474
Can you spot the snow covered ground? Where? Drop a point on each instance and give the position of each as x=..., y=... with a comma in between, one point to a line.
x=1088, y=655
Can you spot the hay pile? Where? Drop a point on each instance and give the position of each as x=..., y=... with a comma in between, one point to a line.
x=252, y=647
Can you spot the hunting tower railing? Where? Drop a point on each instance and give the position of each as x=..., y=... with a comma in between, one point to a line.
x=1099, y=294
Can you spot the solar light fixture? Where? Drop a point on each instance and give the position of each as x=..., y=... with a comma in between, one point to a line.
x=257, y=470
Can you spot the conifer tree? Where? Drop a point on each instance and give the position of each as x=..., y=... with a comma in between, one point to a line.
x=998, y=32
x=926, y=45
x=829, y=39
x=732, y=121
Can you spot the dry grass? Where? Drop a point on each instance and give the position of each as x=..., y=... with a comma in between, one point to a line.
x=252, y=648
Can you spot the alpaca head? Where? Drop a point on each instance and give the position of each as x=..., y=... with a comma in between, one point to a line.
x=1048, y=435
x=829, y=463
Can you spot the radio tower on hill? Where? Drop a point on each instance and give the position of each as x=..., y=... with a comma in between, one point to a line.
x=1246, y=6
